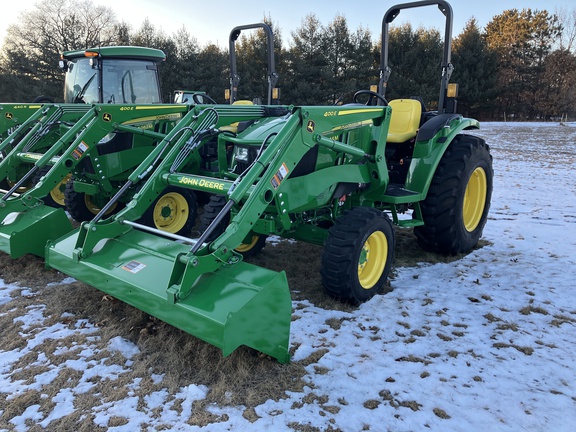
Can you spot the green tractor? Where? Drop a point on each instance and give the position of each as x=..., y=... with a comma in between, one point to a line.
x=336, y=176
x=96, y=75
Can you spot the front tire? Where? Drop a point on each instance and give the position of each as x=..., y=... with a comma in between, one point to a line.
x=174, y=211
x=211, y=210
x=83, y=207
x=56, y=197
x=456, y=207
x=358, y=255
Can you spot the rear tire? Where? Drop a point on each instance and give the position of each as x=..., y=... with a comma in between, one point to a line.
x=358, y=255
x=456, y=207
x=211, y=210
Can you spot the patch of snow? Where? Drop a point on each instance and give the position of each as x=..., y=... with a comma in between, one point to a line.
x=123, y=346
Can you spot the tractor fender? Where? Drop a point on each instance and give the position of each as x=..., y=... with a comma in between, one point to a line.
x=432, y=140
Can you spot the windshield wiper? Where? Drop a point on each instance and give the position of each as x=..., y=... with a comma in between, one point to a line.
x=80, y=94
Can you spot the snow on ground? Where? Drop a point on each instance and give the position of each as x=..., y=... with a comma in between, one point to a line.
x=487, y=342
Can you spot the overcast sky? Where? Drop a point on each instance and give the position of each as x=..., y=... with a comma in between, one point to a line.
x=211, y=21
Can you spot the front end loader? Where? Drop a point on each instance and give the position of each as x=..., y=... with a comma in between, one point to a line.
x=307, y=159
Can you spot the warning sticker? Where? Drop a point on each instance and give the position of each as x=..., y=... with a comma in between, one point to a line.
x=80, y=150
x=279, y=176
x=133, y=266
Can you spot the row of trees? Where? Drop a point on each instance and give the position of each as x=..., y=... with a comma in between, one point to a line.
x=522, y=65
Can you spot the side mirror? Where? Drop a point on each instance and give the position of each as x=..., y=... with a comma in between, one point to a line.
x=63, y=64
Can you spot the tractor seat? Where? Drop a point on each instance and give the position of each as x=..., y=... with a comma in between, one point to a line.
x=405, y=120
x=235, y=127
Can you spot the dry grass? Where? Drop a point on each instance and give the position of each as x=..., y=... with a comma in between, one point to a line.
x=244, y=378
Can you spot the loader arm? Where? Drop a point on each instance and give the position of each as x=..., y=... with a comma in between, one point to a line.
x=26, y=222
x=14, y=115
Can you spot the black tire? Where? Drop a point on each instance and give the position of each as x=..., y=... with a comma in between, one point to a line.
x=211, y=210
x=174, y=211
x=347, y=272
x=456, y=207
x=80, y=206
x=56, y=197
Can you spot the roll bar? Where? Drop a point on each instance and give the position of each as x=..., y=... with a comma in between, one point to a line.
x=446, y=66
x=234, y=77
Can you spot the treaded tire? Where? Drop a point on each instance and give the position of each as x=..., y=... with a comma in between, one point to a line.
x=445, y=228
x=176, y=225
x=346, y=259
x=76, y=204
x=211, y=210
x=56, y=197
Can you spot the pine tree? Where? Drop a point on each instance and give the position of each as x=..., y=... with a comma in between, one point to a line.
x=521, y=40
x=474, y=71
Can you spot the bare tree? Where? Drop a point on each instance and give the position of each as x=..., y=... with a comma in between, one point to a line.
x=567, y=20
x=32, y=47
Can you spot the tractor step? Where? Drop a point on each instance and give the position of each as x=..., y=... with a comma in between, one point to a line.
x=21, y=233
x=239, y=304
x=397, y=194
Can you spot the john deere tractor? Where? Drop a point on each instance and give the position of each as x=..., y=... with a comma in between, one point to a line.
x=97, y=75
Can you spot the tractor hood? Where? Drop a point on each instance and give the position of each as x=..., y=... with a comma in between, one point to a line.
x=259, y=130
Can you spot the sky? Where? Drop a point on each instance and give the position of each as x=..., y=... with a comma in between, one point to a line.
x=483, y=343
x=212, y=21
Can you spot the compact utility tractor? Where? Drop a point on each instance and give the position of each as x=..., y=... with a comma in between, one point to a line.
x=97, y=75
x=328, y=175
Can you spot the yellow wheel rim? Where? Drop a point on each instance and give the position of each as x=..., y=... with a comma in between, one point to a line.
x=171, y=212
x=21, y=189
x=372, y=259
x=474, y=199
x=95, y=209
x=57, y=193
x=245, y=247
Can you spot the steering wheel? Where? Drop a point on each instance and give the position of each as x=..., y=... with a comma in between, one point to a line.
x=205, y=99
x=371, y=97
x=43, y=99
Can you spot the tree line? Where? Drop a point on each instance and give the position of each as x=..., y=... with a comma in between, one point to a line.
x=521, y=66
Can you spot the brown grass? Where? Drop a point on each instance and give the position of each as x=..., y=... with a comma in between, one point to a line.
x=244, y=378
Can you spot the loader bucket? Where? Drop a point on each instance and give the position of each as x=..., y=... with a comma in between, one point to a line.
x=240, y=304
x=21, y=233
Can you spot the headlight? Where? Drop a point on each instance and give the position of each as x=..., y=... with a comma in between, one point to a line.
x=241, y=154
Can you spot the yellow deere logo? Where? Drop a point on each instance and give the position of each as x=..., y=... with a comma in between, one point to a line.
x=9, y=115
x=107, y=117
x=310, y=126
